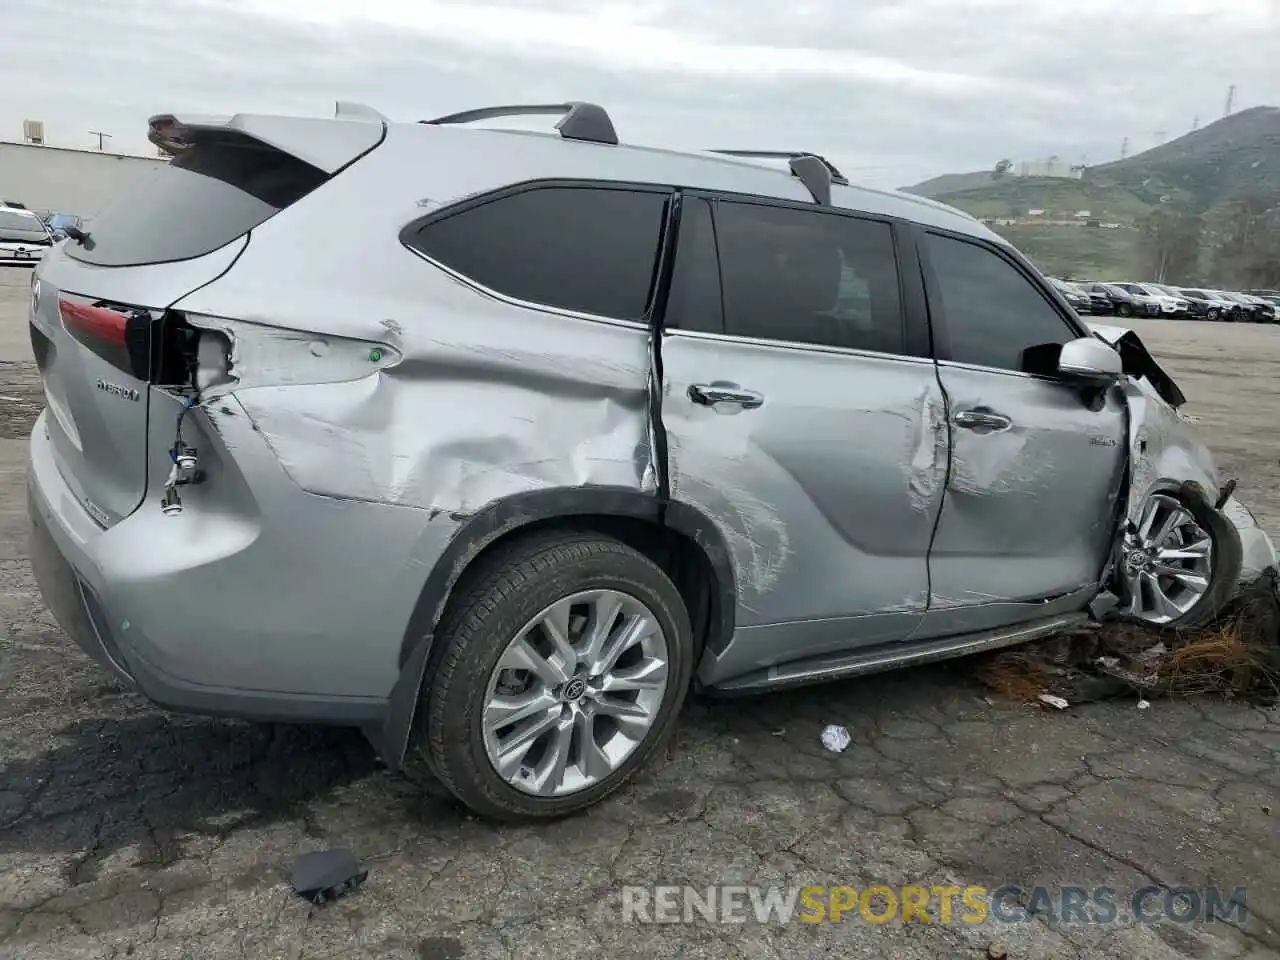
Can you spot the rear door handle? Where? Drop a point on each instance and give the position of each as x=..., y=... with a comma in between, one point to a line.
x=709, y=394
x=982, y=419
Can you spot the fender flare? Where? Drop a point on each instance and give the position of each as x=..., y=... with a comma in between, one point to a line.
x=504, y=517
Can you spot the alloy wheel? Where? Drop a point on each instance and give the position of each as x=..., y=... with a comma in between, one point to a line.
x=575, y=692
x=1167, y=563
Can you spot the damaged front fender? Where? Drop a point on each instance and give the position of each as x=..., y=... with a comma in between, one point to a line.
x=1165, y=454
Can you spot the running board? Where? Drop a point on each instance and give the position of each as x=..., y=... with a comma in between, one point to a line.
x=890, y=656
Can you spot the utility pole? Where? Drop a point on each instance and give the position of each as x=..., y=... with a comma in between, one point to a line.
x=1195, y=123
x=1124, y=148
x=101, y=136
x=1231, y=100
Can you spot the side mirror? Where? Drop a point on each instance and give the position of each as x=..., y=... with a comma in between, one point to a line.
x=1090, y=359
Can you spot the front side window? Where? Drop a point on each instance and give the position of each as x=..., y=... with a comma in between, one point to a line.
x=809, y=277
x=993, y=313
x=581, y=248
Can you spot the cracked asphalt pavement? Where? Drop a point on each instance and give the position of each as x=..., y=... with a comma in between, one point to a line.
x=125, y=832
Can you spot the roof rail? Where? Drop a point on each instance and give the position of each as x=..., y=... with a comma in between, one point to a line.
x=816, y=172
x=579, y=121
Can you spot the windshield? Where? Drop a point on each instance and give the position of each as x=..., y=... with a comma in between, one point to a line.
x=16, y=221
x=1198, y=294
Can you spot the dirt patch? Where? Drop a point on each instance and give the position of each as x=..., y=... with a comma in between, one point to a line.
x=1236, y=658
x=21, y=399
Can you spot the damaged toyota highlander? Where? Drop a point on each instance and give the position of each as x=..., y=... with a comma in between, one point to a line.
x=586, y=426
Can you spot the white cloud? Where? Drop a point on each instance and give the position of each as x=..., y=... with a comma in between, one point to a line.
x=620, y=37
x=892, y=90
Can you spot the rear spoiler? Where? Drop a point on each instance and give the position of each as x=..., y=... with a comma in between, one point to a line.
x=326, y=144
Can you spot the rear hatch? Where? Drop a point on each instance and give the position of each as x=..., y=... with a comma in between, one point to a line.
x=100, y=330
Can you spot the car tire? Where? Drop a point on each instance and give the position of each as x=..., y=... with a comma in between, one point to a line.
x=497, y=605
x=1225, y=556
x=1124, y=310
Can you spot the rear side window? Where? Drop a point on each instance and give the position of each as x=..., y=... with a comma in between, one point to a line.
x=586, y=249
x=809, y=277
x=212, y=193
x=993, y=313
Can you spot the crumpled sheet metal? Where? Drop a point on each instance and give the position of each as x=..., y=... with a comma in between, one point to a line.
x=447, y=426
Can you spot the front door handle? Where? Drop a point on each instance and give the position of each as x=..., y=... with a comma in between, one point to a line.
x=709, y=394
x=982, y=419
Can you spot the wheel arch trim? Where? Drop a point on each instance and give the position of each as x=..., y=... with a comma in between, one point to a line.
x=508, y=516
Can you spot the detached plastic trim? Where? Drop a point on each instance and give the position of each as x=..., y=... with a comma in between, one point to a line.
x=588, y=122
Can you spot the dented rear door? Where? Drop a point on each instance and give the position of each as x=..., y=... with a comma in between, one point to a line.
x=1029, y=510
x=799, y=419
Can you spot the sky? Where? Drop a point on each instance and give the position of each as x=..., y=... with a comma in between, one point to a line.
x=892, y=91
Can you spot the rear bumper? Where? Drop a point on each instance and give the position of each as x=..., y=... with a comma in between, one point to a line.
x=77, y=566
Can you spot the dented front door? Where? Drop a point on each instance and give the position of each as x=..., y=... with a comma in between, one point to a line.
x=1036, y=463
x=822, y=467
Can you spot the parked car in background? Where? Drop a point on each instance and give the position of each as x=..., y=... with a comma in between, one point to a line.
x=1074, y=294
x=1252, y=309
x=1100, y=302
x=1123, y=303
x=59, y=222
x=24, y=239
x=1170, y=306
x=1267, y=312
x=1209, y=305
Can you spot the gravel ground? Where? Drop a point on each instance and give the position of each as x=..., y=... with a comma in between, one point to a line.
x=128, y=833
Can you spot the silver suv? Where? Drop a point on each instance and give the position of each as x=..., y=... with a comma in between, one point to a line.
x=496, y=443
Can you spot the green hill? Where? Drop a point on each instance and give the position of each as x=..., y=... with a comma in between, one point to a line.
x=1057, y=196
x=950, y=183
x=1208, y=174
x=1234, y=157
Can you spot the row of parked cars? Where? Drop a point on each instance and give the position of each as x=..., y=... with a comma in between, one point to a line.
x=1127, y=299
x=25, y=235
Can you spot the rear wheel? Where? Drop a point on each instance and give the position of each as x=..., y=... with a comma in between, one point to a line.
x=1180, y=561
x=560, y=669
x=1124, y=310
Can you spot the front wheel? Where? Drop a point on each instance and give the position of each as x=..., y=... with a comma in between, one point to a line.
x=1180, y=561
x=561, y=668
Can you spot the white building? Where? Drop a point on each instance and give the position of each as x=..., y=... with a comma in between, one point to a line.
x=82, y=182
x=1048, y=168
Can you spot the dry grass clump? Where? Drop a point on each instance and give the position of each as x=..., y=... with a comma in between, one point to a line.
x=1238, y=657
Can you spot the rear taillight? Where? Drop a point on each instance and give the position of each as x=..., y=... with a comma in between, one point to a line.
x=94, y=323
x=119, y=335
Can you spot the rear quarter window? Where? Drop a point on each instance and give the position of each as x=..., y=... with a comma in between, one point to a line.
x=211, y=194
x=583, y=248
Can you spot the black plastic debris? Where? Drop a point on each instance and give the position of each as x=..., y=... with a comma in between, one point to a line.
x=326, y=875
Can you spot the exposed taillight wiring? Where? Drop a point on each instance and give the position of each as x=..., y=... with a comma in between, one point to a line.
x=185, y=463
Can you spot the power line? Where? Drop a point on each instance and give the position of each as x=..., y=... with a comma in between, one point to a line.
x=101, y=136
